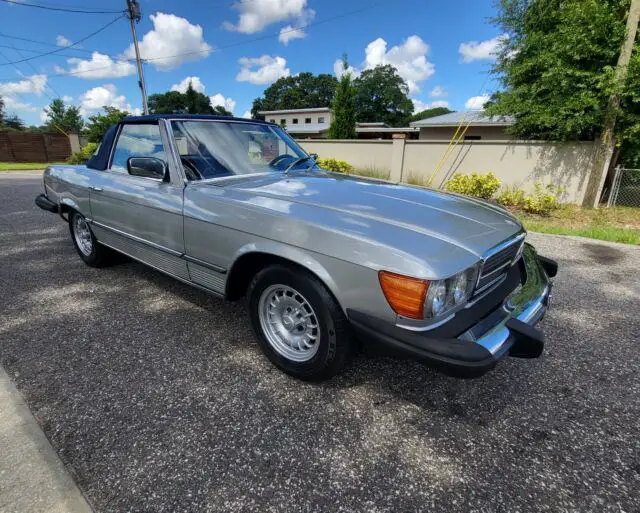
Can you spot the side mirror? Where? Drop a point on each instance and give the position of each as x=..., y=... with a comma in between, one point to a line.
x=314, y=156
x=147, y=167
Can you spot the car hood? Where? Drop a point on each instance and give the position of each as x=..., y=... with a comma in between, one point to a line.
x=473, y=225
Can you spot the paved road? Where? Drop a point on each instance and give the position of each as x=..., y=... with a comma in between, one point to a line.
x=158, y=399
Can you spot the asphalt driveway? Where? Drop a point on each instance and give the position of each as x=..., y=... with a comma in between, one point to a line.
x=157, y=398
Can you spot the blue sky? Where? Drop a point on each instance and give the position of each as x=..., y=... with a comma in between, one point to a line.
x=442, y=49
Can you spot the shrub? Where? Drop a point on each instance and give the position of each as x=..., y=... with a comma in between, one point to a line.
x=374, y=172
x=338, y=166
x=477, y=185
x=80, y=157
x=418, y=180
x=511, y=197
x=543, y=200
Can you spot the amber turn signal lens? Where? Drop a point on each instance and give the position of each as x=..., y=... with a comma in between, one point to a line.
x=404, y=294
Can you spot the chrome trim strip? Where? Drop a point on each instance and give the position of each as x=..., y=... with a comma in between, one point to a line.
x=506, y=264
x=428, y=327
x=486, y=291
x=170, y=251
x=503, y=245
x=192, y=283
x=202, y=263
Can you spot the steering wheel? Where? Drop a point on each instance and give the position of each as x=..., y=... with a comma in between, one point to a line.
x=280, y=158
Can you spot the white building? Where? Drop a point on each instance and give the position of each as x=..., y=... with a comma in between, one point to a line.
x=480, y=126
x=302, y=123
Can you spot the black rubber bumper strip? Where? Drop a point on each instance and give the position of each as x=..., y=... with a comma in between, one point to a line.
x=549, y=266
x=46, y=204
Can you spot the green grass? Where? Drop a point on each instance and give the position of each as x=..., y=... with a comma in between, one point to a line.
x=22, y=166
x=619, y=224
x=373, y=172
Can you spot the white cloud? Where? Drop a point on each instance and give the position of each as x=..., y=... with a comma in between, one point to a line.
x=219, y=99
x=171, y=35
x=419, y=105
x=338, y=69
x=262, y=70
x=63, y=41
x=34, y=84
x=182, y=87
x=481, y=50
x=438, y=92
x=255, y=15
x=98, y=67
x=409, y=58
x=66, y=98
x=476, y=102
x=106, y=95
x=11, y=104
x=247, y=114
x=289, y=33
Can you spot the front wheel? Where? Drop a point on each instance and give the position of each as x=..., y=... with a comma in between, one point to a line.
x=299, y=325
x=86, y=244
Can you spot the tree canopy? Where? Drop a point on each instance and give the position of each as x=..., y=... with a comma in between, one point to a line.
x=343, y=125
x=429, y=113
x=381, y=95
x=191, y=101
x=304, y=91
x=9, y=122
x=557, y=69
x=100, y=123
x=62, y=117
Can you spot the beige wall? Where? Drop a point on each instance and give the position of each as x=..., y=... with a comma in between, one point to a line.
x=490, y=133
x=516, y=163
x=276, y=118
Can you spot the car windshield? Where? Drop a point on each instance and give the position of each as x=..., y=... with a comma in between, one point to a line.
x=212, y=149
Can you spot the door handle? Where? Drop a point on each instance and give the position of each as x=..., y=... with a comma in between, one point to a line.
x=94, y=188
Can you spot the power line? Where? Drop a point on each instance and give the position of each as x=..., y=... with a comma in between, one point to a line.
x=104, y=27
x=239, y=43
x=44, y=43
x=35, y=70
x=61, y=9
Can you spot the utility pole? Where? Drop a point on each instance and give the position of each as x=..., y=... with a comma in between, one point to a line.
x=604, y=152
x=133, y=13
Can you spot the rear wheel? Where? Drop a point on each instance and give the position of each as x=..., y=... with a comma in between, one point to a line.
x=92, y=252
x=299, y=325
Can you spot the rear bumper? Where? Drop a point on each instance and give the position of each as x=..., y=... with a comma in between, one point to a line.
x=46, y=204
x=508, y=329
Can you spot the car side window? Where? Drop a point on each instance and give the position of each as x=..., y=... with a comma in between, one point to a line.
x=137, y=141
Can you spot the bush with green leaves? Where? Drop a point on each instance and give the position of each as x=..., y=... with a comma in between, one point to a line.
x=80, y=157
x=544, y=199
x=477, y=185
x=511, y=197
x=338, y=166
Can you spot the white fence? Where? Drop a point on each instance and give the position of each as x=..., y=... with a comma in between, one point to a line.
x=516, y=163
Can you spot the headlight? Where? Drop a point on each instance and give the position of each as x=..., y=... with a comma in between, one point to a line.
x=436, y=303
x=445, y=295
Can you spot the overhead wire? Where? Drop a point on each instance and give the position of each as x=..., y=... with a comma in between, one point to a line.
x=59, y=8
x=61, y=49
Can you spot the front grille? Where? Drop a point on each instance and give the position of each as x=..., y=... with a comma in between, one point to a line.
x=498, y=263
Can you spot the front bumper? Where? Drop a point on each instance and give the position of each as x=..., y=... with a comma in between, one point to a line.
x=46, y=204
x=504, y=325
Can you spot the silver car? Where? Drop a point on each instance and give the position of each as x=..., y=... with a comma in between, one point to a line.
x=328, y=263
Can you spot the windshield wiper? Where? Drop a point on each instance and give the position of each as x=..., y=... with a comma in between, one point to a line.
x=296, y=162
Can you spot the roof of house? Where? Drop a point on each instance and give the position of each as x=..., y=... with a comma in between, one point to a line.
x=295, y=111
x=475, y=118
x=386, y=129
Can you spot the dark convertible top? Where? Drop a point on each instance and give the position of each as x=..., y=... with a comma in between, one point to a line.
x=100, y=160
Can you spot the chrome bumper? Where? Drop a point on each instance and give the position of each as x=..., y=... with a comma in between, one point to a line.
x=527, y=304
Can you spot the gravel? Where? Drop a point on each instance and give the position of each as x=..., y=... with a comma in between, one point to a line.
x=157, y=398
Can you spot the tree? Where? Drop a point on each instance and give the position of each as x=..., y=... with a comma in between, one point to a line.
x=61, y=117
x=557, y=70
x=381, y=95
x=13, y=122
x=304, y=91
x=1, y=111
x=191, y=101
x=430, y=113
x=100, y=123
x=343, y=125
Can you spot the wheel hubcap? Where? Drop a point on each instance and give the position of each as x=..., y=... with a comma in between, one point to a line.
x=289, y=323
x=82, y=234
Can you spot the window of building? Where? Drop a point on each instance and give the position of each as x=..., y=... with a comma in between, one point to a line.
x=321, y=119
x=472, y=137
x=307, y=121
x=295, y=121
x=272, y=121
x=283, y=122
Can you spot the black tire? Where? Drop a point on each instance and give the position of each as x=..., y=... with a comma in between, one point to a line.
x=335, y=341
x=100, y=256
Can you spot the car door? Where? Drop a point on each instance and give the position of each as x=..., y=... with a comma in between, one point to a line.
x=139, y=215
